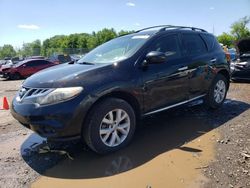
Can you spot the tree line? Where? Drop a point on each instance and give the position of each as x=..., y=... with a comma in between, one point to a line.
x=238, y=31
x=79, y=43
x=83, y=42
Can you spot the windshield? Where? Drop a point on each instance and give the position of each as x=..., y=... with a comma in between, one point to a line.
x=20, y=63
x=115, y=50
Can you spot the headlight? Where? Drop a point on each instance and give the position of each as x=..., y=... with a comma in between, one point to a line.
x=59, y=94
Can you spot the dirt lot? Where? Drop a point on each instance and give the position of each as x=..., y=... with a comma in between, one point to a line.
x=184, y=147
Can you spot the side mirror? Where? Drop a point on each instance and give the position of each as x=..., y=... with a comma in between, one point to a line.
x=155, y=57
x=24, y=65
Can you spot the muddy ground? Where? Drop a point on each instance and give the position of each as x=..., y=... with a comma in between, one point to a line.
x=184, y=147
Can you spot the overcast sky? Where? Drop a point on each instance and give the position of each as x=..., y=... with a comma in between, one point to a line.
x=26, y=20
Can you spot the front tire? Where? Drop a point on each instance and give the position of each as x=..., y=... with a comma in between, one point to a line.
x=217, y=92
x=110, y=126
x=15, y=76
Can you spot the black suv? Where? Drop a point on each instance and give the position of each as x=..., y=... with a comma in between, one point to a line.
x=100, y=98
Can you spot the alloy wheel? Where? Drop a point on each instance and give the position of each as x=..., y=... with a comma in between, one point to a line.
x=219, y=91
x=114, y=127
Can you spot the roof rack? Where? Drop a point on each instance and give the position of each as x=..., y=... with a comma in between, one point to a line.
x=165, y=27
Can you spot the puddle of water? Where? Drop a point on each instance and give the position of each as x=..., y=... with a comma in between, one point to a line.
x=161, y=155
x=37, y=160
x=31, y=144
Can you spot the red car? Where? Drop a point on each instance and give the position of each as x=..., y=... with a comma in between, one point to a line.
x=26, y=68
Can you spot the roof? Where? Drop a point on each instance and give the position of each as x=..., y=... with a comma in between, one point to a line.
x=160, y=28
x=28, y=60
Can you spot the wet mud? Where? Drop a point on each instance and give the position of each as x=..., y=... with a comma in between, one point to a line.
x=169, y=150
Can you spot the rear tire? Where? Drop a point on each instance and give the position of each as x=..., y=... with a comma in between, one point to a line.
x=110, y=126
x=217, y=92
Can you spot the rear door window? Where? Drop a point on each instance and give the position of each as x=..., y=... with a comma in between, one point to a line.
x=29, y=64
x=41, y=62
x=33, y=63
x=194, y=44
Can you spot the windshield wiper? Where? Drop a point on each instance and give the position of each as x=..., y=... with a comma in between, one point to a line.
x=85, y=63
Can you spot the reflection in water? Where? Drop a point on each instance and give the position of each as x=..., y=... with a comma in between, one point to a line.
x=32, y=144
x=155, y=136
x=119, y=165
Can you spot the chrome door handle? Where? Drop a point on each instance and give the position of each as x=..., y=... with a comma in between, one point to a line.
x=183, y=68
x=213, y=60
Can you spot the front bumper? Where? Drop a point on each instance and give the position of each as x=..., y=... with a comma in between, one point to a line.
x=59, y=121
x=6, y=75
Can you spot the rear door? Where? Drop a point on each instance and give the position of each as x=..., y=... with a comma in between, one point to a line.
x=26, y=69
x=35, y=66
x=197, y=54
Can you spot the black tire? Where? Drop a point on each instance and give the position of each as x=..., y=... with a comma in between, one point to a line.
x=93, y=123
x=15, y=76
x=210, y=100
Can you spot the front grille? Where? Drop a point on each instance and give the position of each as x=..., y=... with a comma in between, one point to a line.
x=26, y=92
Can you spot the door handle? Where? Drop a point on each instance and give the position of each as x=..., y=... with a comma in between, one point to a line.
x=183, y=68
x=213, y=60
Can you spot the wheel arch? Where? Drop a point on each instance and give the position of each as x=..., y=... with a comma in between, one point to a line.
x=226, y=74
x=129, y=98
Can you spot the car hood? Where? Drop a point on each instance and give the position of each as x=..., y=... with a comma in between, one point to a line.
x=64, y=75
x=243, y=46
x=6, y=66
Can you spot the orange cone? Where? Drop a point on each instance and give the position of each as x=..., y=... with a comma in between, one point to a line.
x=5, y=104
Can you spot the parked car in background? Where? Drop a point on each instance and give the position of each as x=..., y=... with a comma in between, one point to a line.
x=232, y=52
x=7, y=63
x=100, y=98
x=7, y=58
x=240, y=69
x=26, y=68
x=225, y=49
x=60, y=58
x=75, y=57
x=3, y=62
x=5, y=66
x=35, y=57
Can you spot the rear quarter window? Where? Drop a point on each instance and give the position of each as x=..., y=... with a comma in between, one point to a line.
x=41, y=62
x=217, y=46
x=210, y=40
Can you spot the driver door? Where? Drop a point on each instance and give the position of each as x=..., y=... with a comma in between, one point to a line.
x=165, y=84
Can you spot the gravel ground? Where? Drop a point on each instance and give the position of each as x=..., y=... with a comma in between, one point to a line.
x=232, y=167
x=21, y=163
x=14, y=171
